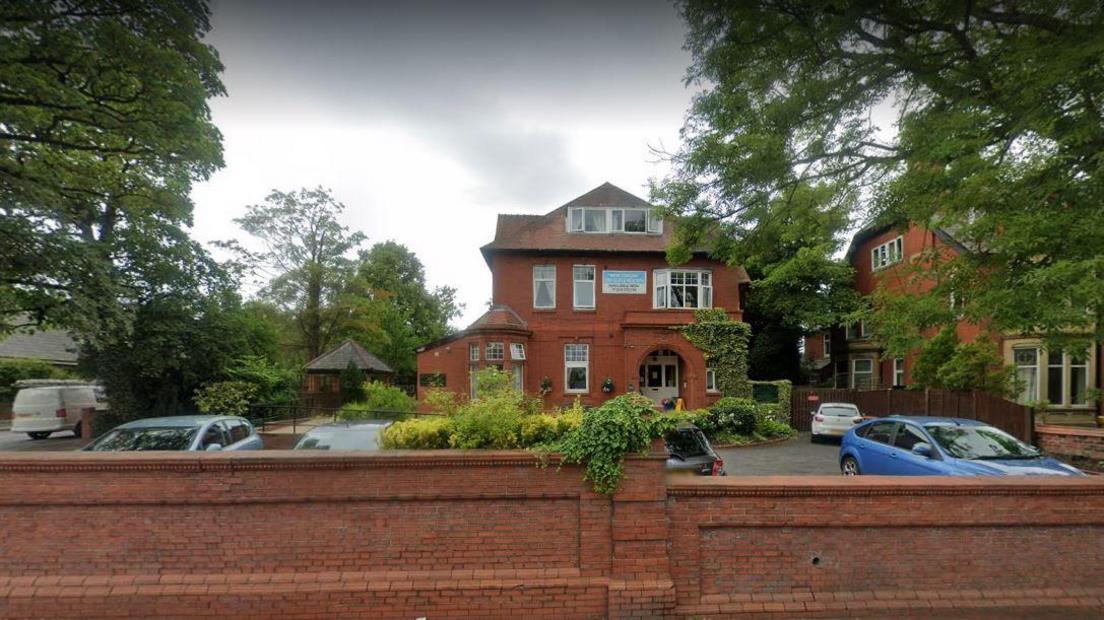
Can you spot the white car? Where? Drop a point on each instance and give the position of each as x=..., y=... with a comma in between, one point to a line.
x=834, y=420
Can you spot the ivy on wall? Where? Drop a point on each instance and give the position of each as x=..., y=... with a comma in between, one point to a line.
x=777, y=406
x=724, y=343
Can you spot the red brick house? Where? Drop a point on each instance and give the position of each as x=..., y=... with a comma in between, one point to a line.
x=849, y=357
x=582, y=298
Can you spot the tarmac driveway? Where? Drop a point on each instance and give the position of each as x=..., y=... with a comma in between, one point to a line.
x=793, y=457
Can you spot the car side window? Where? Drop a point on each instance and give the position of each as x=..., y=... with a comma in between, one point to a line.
x=213, y=435
x=908, y=437
x=239, y=430
x=881, y=432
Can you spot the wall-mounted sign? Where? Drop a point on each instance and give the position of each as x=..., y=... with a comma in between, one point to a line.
x=625, y=282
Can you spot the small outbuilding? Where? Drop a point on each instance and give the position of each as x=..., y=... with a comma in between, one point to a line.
x=322, y=375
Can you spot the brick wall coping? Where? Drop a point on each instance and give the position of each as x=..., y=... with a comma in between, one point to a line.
x=274, y=459
x=836, y=486
x=1056, y=429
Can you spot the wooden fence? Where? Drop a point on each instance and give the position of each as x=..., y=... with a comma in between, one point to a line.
x=1011, y=417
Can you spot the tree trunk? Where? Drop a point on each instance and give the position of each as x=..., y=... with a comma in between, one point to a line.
x=312, y=315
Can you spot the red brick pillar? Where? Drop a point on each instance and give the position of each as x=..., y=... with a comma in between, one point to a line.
x=88, y=414
x=640, y=575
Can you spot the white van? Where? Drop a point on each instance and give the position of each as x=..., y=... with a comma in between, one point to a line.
x=44, y=409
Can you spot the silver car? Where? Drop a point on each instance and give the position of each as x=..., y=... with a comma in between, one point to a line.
x=182, y=432
x=344, y=436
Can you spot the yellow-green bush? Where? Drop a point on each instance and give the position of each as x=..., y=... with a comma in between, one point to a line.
x=417, y=434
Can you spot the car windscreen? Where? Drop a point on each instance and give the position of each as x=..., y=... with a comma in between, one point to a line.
x=847, y=412
x=138, y=439
x=979, y=442
x=686, y=443
x=341, y=439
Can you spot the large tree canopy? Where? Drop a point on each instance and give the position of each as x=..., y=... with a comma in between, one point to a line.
x=104, y=125
x=305, y=259
x=980, y=118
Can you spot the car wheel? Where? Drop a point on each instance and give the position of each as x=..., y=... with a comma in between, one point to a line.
x=39, y=434
x=849, y=466
x=814, y=438
x=77, y=430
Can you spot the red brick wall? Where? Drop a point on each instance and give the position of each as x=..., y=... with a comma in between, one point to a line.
x=449, y=534
x=621, y=330
x=881, y=545
x=1071, y=441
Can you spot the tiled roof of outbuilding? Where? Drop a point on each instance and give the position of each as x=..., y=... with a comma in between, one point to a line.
x=52, y=345
x=339, y=357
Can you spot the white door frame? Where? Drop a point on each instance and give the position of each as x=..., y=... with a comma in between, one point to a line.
x=665, y=385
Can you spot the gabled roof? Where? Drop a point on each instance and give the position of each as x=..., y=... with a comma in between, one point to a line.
x=339, y=357
x=52, y=345
x=873, y=229
x=548, y=232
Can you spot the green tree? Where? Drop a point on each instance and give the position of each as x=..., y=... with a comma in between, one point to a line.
x=304, y=259
x=998, y=117
x=105, y=127
x=351, y=382
x=390, y=310
x=933, y=356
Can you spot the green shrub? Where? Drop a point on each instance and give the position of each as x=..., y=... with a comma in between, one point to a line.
x=417, y=434
x=734, y=415
x=769, y=428
x=622, y=425
x=226, y=397
x=444, y=402
x=380, y=401
x=17, y=370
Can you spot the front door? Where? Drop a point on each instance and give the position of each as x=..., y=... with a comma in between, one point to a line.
x=660, y=377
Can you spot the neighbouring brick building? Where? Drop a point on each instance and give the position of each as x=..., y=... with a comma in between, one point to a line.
x=848, y=357
x=583, y=297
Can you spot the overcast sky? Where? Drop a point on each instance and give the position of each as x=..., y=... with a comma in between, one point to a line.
x=427, y=119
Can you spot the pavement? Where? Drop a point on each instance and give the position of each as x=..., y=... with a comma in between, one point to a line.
x=61, y=441
x=793, y=457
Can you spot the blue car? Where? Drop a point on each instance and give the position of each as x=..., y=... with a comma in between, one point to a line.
x=931, y=446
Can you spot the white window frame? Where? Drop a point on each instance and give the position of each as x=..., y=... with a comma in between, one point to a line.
x=473, y=351
x=889, y=253
x=826, y=343
x=1062, y=360
x=575, y=281
x=711, y=380
x=898, y=371
x=570, y=363
x=652, y=225
x=1038, y=371
x=537, y=280
x=661, y=288
x=496, y=352
x=517, y=351
x=855, y=372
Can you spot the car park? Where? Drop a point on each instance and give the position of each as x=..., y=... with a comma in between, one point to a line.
x=689, y=452
x=44, y=407
x=936, y=446
x=344, y=436
x=193, y=433
x=834, y=420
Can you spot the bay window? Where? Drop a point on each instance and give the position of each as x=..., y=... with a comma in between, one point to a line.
x=682, y=288
x=495, y=352
x=544, y=286
x=517, y=351
x=583, y=286
x=862, y=373
x=576, y=368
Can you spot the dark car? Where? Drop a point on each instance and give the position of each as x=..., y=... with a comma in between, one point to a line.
x=689, y=452
x=931, y=446
x=344, y=436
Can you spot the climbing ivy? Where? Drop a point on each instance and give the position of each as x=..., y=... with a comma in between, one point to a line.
x=724, y=343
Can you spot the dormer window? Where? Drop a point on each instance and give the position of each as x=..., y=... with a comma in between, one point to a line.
x=619, y=220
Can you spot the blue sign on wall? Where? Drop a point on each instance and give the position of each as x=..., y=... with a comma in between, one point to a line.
x=625, y=282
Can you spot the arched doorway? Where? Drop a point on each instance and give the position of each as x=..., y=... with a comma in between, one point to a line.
x=661, y=376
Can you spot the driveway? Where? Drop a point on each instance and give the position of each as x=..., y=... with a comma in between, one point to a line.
x=797, y=456
x=61, y=441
